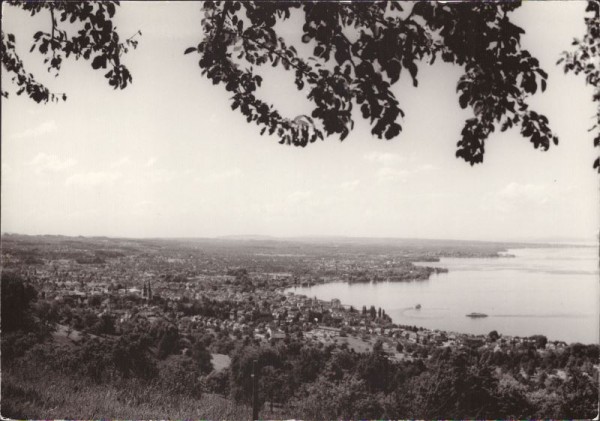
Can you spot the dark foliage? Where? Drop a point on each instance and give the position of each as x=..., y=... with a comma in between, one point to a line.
x=168, y=342
x=451, y=384
x=17, y=296
x=201, y=358
x=130, y=356
x=96, y=40
x=359, y=51
x=344, y=72
x=179, y=376
x=586, y=59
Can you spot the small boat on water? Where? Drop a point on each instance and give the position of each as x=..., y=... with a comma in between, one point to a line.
x=418, y=306
x=476, y=315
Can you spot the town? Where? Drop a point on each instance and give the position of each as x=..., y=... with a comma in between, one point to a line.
x=171, y=284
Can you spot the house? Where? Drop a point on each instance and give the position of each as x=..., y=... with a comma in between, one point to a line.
x=276, y=334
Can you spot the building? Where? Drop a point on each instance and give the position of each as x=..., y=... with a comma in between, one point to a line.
x=276, y=334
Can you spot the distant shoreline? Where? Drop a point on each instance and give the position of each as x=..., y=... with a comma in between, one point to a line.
x=345, y=240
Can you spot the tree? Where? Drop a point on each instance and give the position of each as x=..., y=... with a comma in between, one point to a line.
x=579, y=395
x=47, y=312
x=92, y=360
x=453, y=388
x=375, y=369
x=168, y=342
x=202, y=358
x=346, y=399
x=17, y=296
x=130, y=355
x=493, y=336
x=584, y=59
x=540, y=341
x=359, y=51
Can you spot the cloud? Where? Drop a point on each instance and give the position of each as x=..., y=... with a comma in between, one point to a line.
x=42, y=163
x=46, y=127
x=515, y=195
x=92, y=179
x=385, y=158
x=296, y=203
x=395, y=173
x=388, y=174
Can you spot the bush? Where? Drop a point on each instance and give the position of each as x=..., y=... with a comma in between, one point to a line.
x=130, y=356
x=15, y=344
x=218, y=382
x=179, y=375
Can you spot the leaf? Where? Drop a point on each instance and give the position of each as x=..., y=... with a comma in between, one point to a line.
x=393, y=70
x=111, y=9
x=412, y=68
x=392, y=131
x=99, y=61
x=190, y=50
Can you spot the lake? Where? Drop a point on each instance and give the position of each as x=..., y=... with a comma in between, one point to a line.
x=549, y=291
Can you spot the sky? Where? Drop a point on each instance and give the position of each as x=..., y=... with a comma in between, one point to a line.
x=167, y=157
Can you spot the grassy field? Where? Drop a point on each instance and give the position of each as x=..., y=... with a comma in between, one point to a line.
x=36, y=394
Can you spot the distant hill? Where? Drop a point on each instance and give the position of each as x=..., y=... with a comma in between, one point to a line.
x=248, y=237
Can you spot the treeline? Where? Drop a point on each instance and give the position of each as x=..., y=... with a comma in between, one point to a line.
x=316, y=382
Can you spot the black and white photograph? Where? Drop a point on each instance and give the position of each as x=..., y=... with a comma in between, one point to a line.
x=311, y=210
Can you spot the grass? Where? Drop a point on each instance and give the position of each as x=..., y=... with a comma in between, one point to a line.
x=28, y=393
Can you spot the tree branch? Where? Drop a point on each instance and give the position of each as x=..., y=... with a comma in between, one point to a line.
x=221, y=22
x=282, y=56
x=53, y=29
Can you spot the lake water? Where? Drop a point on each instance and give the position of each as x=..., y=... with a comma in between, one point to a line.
x=549, y=291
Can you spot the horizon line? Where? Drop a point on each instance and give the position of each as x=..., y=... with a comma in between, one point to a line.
x=257, y=237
